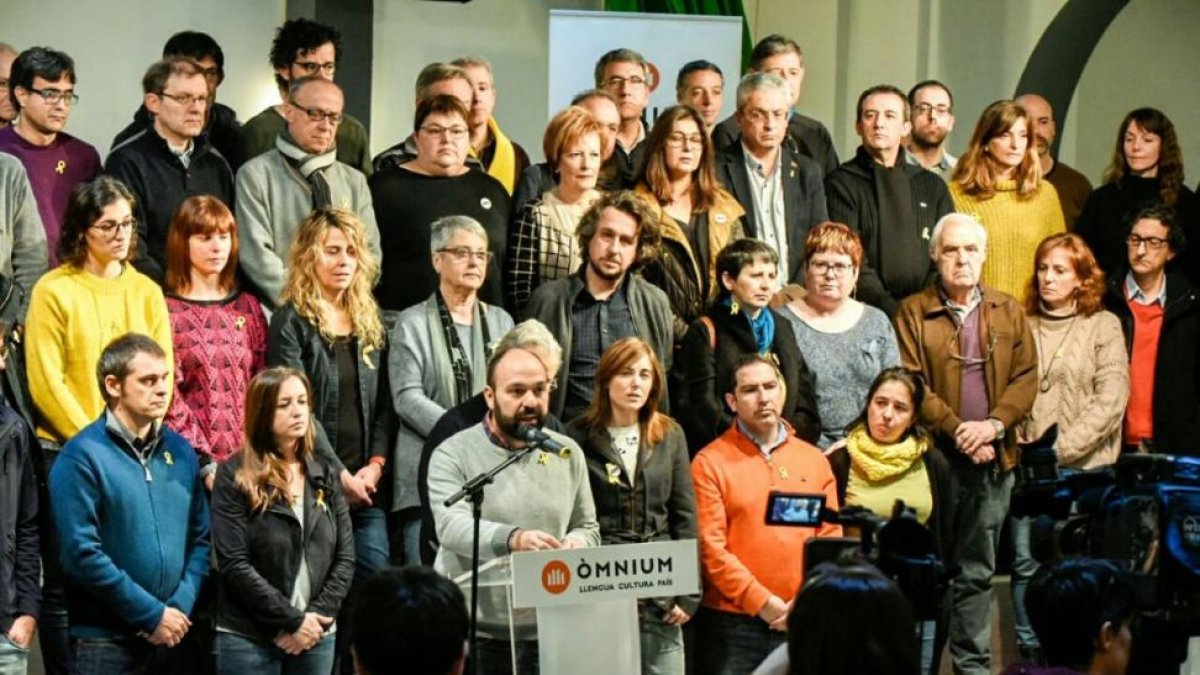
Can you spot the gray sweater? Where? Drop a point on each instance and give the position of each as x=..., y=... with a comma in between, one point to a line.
x=272, y=199
x=23, y=255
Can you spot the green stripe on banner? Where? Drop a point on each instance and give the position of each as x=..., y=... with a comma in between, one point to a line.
x=699, y=7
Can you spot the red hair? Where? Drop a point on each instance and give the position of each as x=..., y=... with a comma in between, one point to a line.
x=199, y=214
x=1090, y=294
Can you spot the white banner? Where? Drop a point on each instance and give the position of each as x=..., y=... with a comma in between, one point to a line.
x=588, y=575
x=578, y=39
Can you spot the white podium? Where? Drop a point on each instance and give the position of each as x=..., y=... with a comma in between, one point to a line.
x=586, y=600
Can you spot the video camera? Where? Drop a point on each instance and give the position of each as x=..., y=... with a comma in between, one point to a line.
x=1143, y=512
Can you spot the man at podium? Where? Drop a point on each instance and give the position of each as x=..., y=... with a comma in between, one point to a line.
x=544, y=501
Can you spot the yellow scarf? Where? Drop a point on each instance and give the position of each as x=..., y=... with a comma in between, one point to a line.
x=879, y=462
x=504, y=159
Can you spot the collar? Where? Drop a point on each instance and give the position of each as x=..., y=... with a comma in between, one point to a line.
x=960, y=311
x=766, y=450
x=945, y=162
x=637, y=141
x=1134, y=293
x=119, y=432
x=494, y=435
x=756, y=167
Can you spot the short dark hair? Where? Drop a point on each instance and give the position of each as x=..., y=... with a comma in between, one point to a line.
x=620, y=55
x=155, y=79
x=744, y=361
x=915, y=384
x=300, y=36
x=121, y=352
x=588, y=94
x=438, y=72
x=43, y=62
x=86, y=203
x=740, y=254
x=856, y=605
x=631, y=205
x=196, y=45
x=412, y=616
x=442, y=104
x=695, y=67
x=1176, y=239
x=1070, y=601
x=772, y=45
x=912, y=93
x=883, y=89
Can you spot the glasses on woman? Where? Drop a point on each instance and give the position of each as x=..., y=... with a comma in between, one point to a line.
x=679, y=140
x=821, y=268
x=462, y=253
x=109, y=228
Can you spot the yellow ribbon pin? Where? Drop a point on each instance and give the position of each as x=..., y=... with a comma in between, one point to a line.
x=614, y=473
x=240, y=322
x=543, y=459
x=167, y=456
x=321, y=500
x=61, y=167
x=783, y=473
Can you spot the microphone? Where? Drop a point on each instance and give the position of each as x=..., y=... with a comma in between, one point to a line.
x=539, y=438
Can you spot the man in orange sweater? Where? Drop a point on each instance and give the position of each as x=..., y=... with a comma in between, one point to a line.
x=752, y=570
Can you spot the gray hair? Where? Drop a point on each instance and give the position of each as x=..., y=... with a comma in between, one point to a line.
x=760, y=82
x=473, y=61
x=935, y=239
x=531, y=335
x=299, y=84
x=621, y=55
x=121, y=352
x=443, y=230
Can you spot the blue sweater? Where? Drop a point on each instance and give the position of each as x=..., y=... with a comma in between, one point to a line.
x=134, y=539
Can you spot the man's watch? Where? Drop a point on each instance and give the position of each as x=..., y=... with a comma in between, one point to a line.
x=998, y=426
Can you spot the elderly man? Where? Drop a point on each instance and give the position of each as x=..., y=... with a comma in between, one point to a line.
x=279, y=188
x=973, y=347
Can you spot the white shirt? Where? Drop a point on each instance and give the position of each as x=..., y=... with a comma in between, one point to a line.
x=766, y=192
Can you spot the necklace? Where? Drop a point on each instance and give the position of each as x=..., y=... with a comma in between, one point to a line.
x=1044, y=380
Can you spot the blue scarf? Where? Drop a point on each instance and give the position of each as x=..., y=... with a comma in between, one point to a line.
x=763, y=327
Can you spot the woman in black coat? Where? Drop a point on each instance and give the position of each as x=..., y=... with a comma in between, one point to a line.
x=739, y=322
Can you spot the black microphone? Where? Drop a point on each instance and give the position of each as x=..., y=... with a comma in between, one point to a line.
x=541, y=439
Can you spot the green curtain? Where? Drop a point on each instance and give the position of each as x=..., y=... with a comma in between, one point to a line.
x=701, y=7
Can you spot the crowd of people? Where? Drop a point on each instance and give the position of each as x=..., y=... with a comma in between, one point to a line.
x=246, y=364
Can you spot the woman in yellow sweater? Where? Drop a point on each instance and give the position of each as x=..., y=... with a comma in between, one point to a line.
x=77, y=308
x=998, y=181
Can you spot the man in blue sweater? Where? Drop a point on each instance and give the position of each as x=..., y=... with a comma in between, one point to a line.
x=132, y=518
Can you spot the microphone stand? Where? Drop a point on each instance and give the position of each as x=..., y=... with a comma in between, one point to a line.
x=472, y=491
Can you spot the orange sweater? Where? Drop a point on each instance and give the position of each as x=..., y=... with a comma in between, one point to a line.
x=745, y=561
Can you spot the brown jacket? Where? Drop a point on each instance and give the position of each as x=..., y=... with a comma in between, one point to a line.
x=924, y=329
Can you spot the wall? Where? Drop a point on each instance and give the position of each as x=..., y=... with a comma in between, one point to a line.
x=114, y=42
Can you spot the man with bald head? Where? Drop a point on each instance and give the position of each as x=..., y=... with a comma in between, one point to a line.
x=1073, y=187
x=279, y=188
x=7, y=112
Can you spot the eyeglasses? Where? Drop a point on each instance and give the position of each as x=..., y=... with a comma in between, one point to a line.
x=1152, y=243
x=185, y=100
x=53, y=96
x=453, y=133
x=315, y=115
x=822, y=268
x=616, y=82
x=211, y=73
x=109, y=227
x=935, y=110
x=461, y=253
x=312, y=67
x=956, y=352
x=679, y=140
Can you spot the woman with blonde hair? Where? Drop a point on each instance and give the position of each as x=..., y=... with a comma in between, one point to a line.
x=998, y=181
x=282, y=536
x=641, y=480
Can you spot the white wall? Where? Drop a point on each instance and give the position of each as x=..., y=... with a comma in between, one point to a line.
x=114, y=42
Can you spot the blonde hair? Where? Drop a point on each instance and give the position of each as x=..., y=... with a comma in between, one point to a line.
x=303, y=291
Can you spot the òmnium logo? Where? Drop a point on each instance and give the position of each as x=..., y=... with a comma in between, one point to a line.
x=556, y=577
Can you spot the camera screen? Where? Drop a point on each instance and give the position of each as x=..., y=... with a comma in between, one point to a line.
x=794, y=509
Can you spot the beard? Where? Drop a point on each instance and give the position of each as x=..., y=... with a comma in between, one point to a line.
x=607, y=276
x=929, y=137
x=508, y=424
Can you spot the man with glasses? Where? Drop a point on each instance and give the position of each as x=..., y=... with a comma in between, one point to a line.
x=42, y=90
x=625, y=74
x=972, y=345
x=170, y=160
x=933, y=120
x=435, y=184
x=892, y=205
x=8, y=113
x=222, y=130
x=1160, y=316
x=304, y=48
x=279, y=188
x=780, y=189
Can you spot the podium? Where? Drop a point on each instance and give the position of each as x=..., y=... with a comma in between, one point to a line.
x=585, y=600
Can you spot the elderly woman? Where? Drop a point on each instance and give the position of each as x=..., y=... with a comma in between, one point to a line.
x=845, y=342
x=542, y=245
x=1083, y=381
x=696, y=216
x=739, y=322
x=440, y=352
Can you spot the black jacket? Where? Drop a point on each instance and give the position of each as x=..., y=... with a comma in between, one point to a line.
x=892, y=270
x=703, y=412
x=20, y=557
x=160, y=182
x=1177, y=370
x=805, y=136
x=13, y=301
x=223, y=131
x=659, y=506
x=803, y=199
x=259, y=552
x=293, y=341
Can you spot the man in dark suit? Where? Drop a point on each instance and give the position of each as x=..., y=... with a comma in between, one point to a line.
x=780, y=189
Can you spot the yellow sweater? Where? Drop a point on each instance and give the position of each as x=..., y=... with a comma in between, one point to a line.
x=73, y=315
x=1014, y=227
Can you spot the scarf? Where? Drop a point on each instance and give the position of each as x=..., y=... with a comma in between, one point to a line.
x=504, y=159
x=880, y=462
x=312, y=167
x=466, y=381
x=763, y=326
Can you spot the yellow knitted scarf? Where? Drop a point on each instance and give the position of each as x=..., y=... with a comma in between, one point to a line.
x=504, y=159
x=880, y=462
